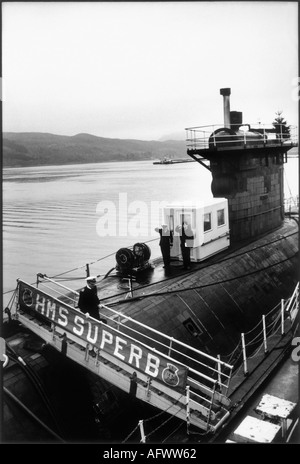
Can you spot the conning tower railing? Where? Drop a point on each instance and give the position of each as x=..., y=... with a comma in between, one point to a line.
x=217, y=136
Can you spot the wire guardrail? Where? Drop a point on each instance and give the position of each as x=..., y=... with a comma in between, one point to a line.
x=169, y=348
x=272, y=321
x=291, y=204
x=288, y=309
x=265, y=331
x=276, y=318
x=141, y=423
x=199, y=381
x=214, y=136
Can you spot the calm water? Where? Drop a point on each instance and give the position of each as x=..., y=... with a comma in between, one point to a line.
x=52, y=215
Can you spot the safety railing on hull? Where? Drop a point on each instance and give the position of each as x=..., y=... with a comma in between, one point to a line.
x=216, y=136
x=159, y=341
x=166, y=345
x=259, y=338
x=175, y=349
x=57, y=289
x=263, y=331
x=207, y=377
x=291, y=205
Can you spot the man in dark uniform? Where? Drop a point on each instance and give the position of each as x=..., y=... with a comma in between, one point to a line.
x=165, y=243
x=186, y=243
x=88, y=299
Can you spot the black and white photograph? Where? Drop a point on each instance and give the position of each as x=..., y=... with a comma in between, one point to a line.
x=150, y=216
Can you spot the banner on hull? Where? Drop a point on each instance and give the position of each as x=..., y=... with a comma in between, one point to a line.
x=105, y=338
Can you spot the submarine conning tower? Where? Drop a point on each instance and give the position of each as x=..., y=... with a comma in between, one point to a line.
x=246, y=162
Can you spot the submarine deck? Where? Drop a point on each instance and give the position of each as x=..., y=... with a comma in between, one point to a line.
x=210, y=305
x=115, y=288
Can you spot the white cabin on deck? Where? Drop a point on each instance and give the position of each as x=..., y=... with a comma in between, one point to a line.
x=209, y=222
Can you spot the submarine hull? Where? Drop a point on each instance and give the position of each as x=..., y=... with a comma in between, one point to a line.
x=224, y=296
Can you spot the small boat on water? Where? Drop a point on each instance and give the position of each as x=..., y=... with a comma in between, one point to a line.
x=164, y=161
x=172, y=161
x=192, y=342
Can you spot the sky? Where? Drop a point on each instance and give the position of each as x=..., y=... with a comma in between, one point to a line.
x=146, y=70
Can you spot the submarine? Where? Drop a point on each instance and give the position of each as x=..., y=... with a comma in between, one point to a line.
x=179, y=339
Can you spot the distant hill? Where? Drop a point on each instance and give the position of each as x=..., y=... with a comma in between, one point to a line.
x=37, y=149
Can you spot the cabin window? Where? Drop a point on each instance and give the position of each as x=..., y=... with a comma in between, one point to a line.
x=221, y=217
x=207, y=222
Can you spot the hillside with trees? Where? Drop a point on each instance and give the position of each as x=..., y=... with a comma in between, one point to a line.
x=41, y=149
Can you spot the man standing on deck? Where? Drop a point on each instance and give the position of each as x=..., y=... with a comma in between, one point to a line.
x=186, y=243
x=88, y=299
x=165, y=243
